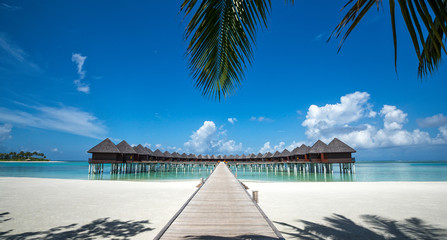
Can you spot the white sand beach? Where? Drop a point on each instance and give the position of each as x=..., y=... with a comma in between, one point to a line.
x=34, y=208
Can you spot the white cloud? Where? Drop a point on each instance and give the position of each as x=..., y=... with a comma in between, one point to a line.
x=15, y=56
x=79, y=60
x=433, y=121
x=232, y=120
x=5, y=131
x=207, y=139
x=347, y=121
x=268, y=148
x=55, y=150
x=261, y=119
x=64, y=119
x=158, y=146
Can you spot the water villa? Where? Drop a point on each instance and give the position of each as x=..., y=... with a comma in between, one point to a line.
x=320, y=157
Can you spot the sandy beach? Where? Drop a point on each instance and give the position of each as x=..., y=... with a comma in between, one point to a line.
x=36, y=208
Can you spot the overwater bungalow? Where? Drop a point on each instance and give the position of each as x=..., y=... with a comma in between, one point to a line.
x=168, y=156
x=316, y=152
x=128, y=154
x=184, y=157
x=284, y=156
x=252, y=157
x=175, y=156
x=105, y=151
x=300, y=153
x=151, y=154
x=338, y=152
x=276, y=156
x=142, y=153
x=158, y=155
x=267, y=156
x=259, y=157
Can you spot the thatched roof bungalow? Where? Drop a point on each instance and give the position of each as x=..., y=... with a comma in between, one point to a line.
x=127, y=152
x=105, y=151
x=158, y=155
x=142, y=153
x=338, y=151
x=316, y=152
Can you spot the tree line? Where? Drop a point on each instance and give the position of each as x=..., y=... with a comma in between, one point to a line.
x=14, y=156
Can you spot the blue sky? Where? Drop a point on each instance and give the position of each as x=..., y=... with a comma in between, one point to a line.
x=73, y=73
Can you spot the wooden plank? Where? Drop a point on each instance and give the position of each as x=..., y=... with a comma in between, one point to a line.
x=220, y=208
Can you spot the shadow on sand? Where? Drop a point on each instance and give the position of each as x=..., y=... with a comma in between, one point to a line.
x=376, y=227
x=99, y=228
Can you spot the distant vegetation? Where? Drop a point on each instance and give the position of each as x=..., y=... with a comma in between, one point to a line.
x=23, y=156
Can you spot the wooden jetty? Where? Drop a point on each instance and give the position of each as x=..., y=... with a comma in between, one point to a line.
x=221, y=208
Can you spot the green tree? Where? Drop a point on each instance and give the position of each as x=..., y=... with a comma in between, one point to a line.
x=221, y=35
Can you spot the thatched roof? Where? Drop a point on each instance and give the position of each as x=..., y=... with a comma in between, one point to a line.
x=276, y=154
x=243, y=156
x=303, y=150
x=158, y=153
x=231, y=157
x=150, y=153
x=184, y=155
x=176, y=155
x=318, y=147
x=259, y=155
x=285, y=153
x=336, y=145
x=267, y=155
x=105, y=146
x=125, y=148
x=212, y=157
x=167, y=154
x=200, y=156
x=140, y=150
x=252, y=156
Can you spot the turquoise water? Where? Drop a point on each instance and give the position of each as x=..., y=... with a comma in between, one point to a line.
x=365, y=172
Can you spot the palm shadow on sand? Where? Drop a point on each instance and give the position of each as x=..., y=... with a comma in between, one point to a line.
x=338, y=227
x=99, y=228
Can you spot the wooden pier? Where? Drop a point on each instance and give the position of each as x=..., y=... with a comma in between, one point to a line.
x=221, y=208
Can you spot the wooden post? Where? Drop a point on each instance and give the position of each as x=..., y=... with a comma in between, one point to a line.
x=255, y=196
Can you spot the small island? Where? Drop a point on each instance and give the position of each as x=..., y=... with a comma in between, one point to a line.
x=24, y=156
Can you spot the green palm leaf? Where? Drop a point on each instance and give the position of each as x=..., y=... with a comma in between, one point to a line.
x=221, y=34
x=413, y=12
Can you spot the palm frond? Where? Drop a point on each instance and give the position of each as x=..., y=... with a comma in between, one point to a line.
x=221, y=34
x=428, y=49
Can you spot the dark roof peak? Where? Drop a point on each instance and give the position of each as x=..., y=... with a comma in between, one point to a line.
x=318, y=147
x=336, y=145
x=106, y=146
x=125, y=148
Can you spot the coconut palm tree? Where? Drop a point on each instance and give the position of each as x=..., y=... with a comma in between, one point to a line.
x=221, y=34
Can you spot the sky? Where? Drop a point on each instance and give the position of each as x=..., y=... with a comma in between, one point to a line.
x=75, y=72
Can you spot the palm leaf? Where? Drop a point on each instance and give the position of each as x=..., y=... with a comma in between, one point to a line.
x=221, y=35
x=413, y=11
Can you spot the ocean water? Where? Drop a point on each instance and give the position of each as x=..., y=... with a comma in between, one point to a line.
x=365, y=172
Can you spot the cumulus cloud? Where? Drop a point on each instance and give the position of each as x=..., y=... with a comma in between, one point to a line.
x=209, y=139
x=79, y=60
x=347, y=120
x=268, y=148
x=64, y=119
x=232, y=120
x=260, y=119
x=5, y=131
x=433, y=121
